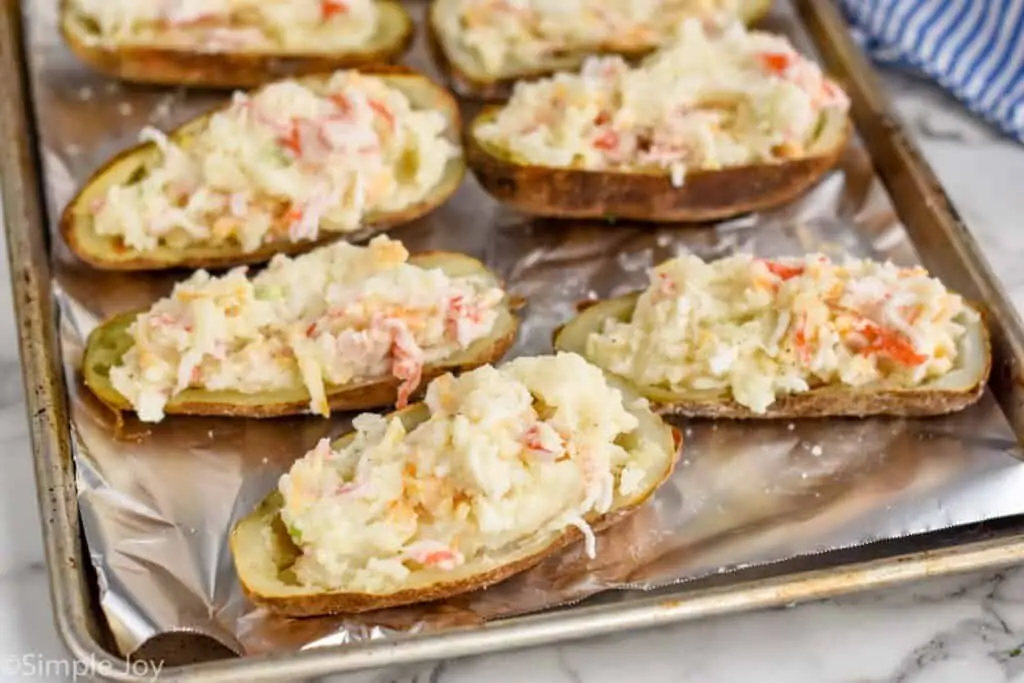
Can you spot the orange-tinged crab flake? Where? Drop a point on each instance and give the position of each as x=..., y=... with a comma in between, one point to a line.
x=891, y=344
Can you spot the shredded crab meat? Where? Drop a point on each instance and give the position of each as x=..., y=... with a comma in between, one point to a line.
x=434, y=554
x=290, y=162
x=503, y=34
x=716, y=98
x=225, y=25
x=757, y=328
x=502, y=456
x=339, y=315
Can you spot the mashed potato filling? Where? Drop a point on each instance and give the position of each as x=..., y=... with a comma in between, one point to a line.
x=287, y=162
x=338, y=315
x=715, y=98
x=519, y=35
x=507, y=453
x=757, y=328
x=234, y=25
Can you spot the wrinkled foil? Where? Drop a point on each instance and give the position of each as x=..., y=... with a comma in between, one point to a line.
x=157, y=501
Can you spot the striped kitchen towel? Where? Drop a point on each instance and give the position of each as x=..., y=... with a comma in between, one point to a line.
x=972, y=48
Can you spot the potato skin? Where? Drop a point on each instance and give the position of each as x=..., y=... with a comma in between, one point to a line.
x=295, y=604
x=215, y=260
x=107, y=344
x=837, y=403
x=106, y=253
x=499, y=89
x=827, y=401
x=169, y=66
x=705, y=195
x=319, y=604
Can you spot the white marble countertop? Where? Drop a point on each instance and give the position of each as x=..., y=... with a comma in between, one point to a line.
x=969, y=628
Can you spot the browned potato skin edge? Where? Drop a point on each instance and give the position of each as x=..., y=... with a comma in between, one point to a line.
x=353, y=603
x=500, y=89
x=234, y=256
x=892, y=403
x=829, y=402
x=163, y=66
x=705, y=196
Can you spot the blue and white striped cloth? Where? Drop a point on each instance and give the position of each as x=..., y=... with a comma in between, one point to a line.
x=972, y=48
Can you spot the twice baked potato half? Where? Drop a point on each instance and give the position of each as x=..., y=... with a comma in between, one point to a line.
x=108, y=346
x=241, y=48
x=712, y=126
x=905, y=368
x=649, y=195
x=281, y=166
x=548, y=45
x=298, y=563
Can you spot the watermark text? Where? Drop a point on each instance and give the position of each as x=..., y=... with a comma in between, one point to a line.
x=33, y=665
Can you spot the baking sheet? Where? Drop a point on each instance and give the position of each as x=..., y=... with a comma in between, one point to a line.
x=157, y=502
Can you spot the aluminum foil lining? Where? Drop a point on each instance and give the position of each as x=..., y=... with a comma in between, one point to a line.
x=157, y=502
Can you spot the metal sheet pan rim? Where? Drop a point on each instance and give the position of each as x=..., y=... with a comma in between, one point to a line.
x=41, y=371
x=583, y=622
x=66, y=561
